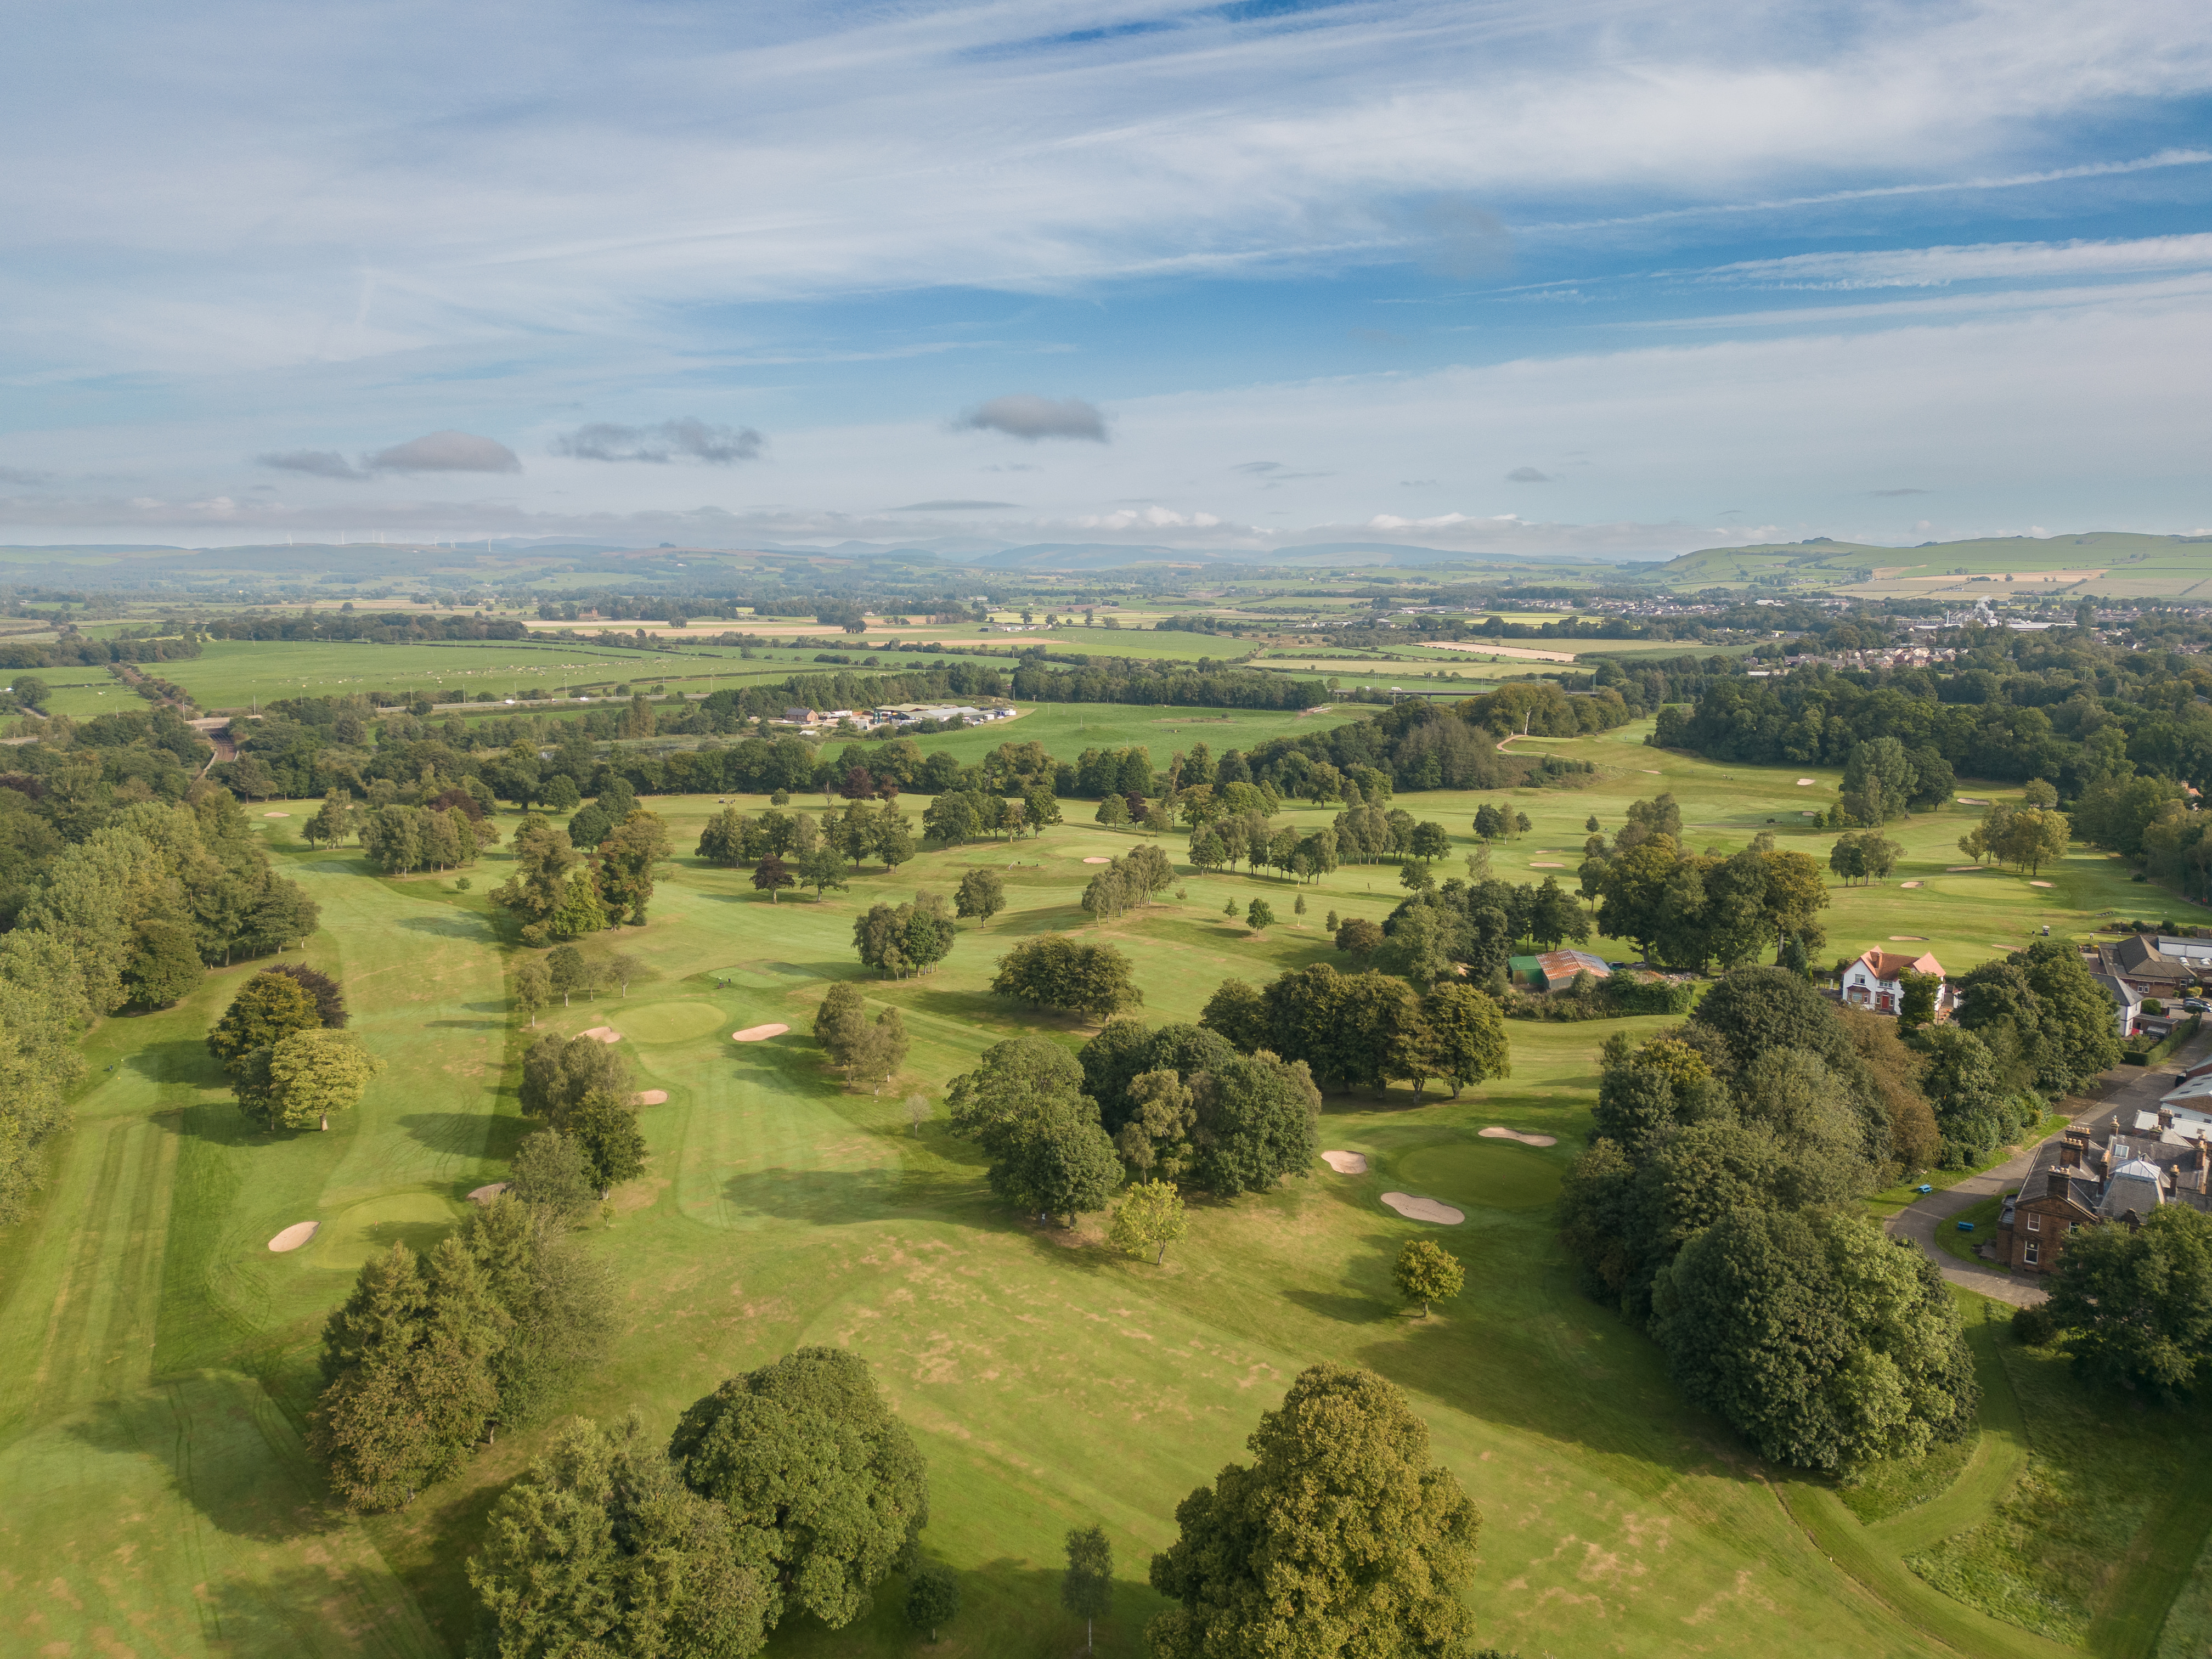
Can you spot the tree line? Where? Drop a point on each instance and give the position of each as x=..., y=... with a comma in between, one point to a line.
x=2057, y=706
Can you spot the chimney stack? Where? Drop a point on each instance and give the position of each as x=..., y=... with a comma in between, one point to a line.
x=2054, y=1183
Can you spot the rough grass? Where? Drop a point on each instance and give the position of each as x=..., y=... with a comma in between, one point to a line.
x=156, y=1361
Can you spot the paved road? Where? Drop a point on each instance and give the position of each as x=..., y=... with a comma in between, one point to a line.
x=2124, y=1088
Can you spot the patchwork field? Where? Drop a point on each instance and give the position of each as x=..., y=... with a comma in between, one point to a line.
x=156, y=1359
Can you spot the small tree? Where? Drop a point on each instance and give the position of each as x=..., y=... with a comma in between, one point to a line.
x=823, y=869
x=606, y=1131
x=1150, y=1217
x=917, y=1111
x=981, y=895
x=841, y=1024
x=883, y=1050
x=1427, y=1272
x=770, y=874
x=1086, y=1589
x=933, y=1599
x=1259, y=915
x=566, y=972
x=1917, y=1003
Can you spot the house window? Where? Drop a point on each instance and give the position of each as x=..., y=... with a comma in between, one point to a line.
x=2035, y=1224
x=2034, y=1255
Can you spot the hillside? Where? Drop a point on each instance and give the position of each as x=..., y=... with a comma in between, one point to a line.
x=2103, y=563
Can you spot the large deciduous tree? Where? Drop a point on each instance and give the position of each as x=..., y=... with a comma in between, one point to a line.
x=806, y=1456
x=558, y=1071
x=1826, y=1343
x=599, y=1548
x=2138, y=1300
x=268, y=1008
x=1341, y=1516
x=411, y=1384
x=314, y=1073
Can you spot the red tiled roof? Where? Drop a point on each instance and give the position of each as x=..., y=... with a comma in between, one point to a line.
x=1891, y=965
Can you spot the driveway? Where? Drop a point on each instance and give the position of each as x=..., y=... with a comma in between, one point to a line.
x=2124, y=1088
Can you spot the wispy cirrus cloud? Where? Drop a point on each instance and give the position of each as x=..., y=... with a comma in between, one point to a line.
x=1938, y=267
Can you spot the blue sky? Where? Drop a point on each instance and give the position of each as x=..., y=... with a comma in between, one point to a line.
x=1607, y=279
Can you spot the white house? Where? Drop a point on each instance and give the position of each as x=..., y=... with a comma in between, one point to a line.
x=1876, y=980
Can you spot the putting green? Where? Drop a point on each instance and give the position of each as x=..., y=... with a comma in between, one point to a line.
x=1495, y=1175
x=417, y=1220
x=671, y=1022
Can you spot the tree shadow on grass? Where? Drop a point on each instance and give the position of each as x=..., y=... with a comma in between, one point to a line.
x=449, y=926
x=226, y=1448
x=468, y=1134
x=462, y=1024
x=1006, y=1607
x=834, y=1196
x=301, y=1609
x=1520, y=1347
x=1345, y=1309
x=180, y=1060
x=1051, y=918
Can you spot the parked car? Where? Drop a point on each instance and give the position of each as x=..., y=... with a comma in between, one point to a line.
x=2196, y=1006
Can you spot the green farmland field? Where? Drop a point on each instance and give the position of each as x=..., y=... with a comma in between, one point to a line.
x=156, y=1361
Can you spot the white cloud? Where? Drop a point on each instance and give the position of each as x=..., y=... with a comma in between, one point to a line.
x=1030, y=417
x=445, y=452
x=687, y=438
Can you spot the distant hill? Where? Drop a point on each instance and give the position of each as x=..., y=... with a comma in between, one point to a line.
x=2100, y=563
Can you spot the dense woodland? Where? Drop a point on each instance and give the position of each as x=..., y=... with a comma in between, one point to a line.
x=123, y=877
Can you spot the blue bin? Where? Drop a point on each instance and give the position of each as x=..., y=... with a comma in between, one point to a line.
x=1966, y=1227
x=1923, y=1189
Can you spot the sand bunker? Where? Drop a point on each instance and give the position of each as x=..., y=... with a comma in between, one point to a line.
x=1346, y=1163
x=650, y=1097
x=758, y=1033
x=1423, y=1209
x=1908, y=884
x=1970, y=800
x=275, y=815
x=485, y=1194
x=1801, y=782
x=1494, y=1133
x=294, y=1235
x=1652, y=771
x=1098, y=860
x=2039, y=883
x=603, y=1033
